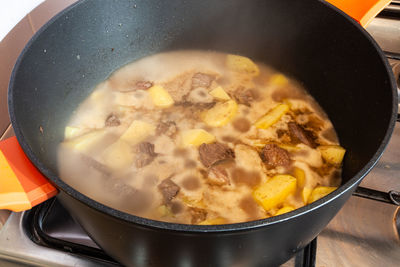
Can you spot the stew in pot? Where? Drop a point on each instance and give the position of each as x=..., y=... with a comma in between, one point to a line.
x=200, y=137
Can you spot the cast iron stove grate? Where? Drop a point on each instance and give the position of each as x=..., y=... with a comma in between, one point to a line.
x=50, y=225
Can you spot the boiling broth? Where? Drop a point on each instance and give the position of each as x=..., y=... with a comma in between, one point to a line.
x=200, y=137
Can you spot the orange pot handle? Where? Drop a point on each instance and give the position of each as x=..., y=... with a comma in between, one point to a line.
x=362, y=11
x=22, y=186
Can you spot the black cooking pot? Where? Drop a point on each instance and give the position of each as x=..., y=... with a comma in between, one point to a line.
x=331, y=54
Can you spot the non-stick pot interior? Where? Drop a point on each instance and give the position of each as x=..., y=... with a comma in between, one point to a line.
x=335, y=59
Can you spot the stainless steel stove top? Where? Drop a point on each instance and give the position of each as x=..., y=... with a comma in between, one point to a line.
x=364, y=233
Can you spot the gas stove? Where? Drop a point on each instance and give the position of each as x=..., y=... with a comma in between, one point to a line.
x=366, y=232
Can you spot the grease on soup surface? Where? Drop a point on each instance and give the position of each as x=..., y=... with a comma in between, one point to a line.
x=200, y=137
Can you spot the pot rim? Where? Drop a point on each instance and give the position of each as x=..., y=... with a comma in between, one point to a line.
x=350, y=185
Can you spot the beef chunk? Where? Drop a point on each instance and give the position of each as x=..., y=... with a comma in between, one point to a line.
x=168, y=189
x=112, y=121
x=118, y=187
x=146, y=147
x=168, y=128
x=200, y=95
x=245, y=96
x=218, y=175
x=179, y=86
x=202, y=80
x=198, y=215
x=131, y=200
x=200, y=106
x=144, y=154
x=213, y=153
x=194, y=107
x=130, y=86
x=314, y=123
x=92, y=163
x=280, y=133
x=283, y=136
x=274, y=156
x=142, y=85
x=300, y=135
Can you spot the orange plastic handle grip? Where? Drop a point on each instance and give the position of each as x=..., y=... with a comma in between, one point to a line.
x=362, y=11
x=22, y=186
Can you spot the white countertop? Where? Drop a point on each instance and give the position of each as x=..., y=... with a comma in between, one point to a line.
x=12, y=12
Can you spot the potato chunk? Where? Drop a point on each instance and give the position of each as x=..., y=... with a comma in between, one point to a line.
x=283, y=210
x=320, y=192
x=164, y=211
x=221, y=114
x=214, y=221
x=274, y=192
x=161, y=98
x=305, y=194
x=242, y=64
x=137, y=132
x=71, y=132
x=87, y=142
x=300, y=176
x=332, y=154
x=219, y=94
x=118, y=155
x=288, y=147
x=272, y=116
x=279, y=80
x=196, y=137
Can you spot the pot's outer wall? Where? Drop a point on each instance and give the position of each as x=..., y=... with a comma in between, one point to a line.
x=336, y=60
x=134, y=245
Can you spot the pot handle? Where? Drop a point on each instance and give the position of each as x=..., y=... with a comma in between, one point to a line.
x=22, y=186
x=363, y=11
